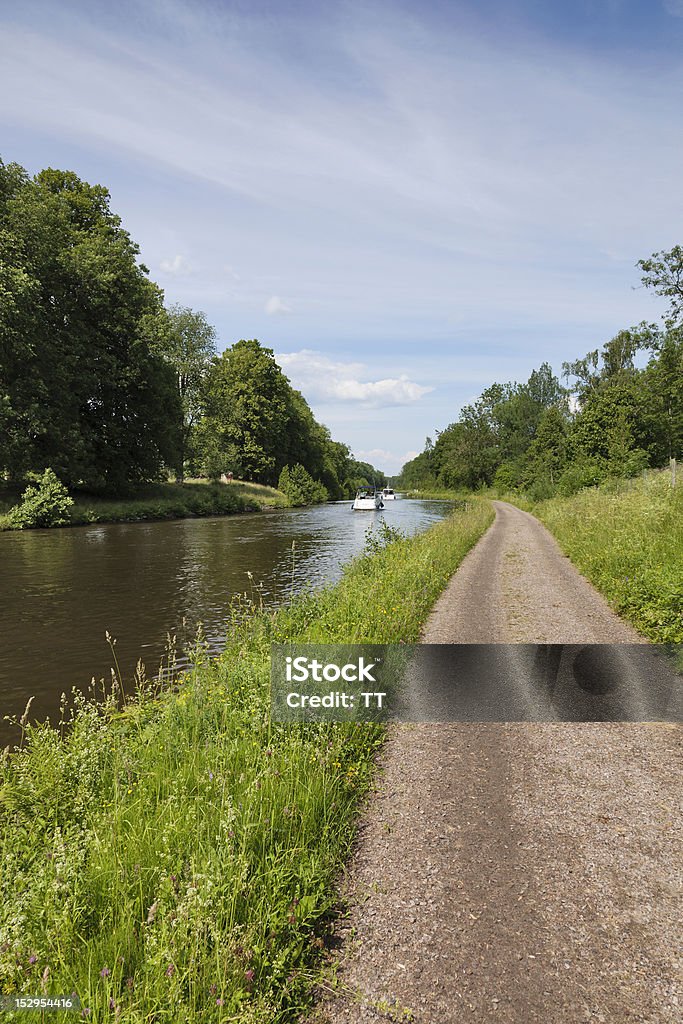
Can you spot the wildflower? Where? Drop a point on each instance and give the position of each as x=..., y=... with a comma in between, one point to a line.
x=211, y=776
x=152, y=913
x=213, y=989
x=170, y=970
x=105, y=972
x=112, y=1004
x=130, y=983
x=219, y=1002
x=249, y=975
x=86, y=1011
x=32, y=960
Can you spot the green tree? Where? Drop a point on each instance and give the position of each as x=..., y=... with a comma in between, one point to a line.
x=45, y=504
x=664, y=275
x=300, y=488
x=248, y=403
x=78, y=380
x=186, y=340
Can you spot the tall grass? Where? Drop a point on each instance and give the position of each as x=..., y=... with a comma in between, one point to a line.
x=627, y=538
x=175, y=860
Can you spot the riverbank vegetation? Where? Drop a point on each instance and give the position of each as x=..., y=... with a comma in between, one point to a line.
x=620, y=412
x=138, y=392
x=177, y=860
x=148, y=502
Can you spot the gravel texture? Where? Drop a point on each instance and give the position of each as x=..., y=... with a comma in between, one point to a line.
x=516, y=872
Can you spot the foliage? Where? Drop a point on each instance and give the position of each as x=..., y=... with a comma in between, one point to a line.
x=82, y=390
x=529, y=438
x=664, y=274
x=627, y=538
x=185, y=339
x=176, y=860
x=256, y=424
x=46, y=504
x=168, y=501
x=300, y=488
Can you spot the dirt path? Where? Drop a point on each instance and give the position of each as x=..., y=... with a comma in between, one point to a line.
x=521, y=872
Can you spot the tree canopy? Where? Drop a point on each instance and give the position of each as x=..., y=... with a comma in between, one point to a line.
x=613, y=418
x=107, y=388
x=81, y=389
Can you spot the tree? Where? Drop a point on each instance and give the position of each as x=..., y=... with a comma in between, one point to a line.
x=187, y=341
x=83, y=390
x=664, y=274
x=248, y=402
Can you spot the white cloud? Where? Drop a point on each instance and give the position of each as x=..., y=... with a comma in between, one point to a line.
x=178, y=266
x=275, y=306
x=674, y=7
x=324, y=379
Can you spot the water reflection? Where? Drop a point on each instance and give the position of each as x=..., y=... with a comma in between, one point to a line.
x=63, y=589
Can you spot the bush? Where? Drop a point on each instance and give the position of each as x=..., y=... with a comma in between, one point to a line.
x=46, y=504
x=300, y=488
x=586, y=473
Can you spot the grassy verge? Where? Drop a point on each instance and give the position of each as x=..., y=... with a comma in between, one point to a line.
x=163, y=501
x=175, y=862
x=437, y=494
x=626, y=537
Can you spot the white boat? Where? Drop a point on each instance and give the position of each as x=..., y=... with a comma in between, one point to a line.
x=367, y=500
x=388, y=494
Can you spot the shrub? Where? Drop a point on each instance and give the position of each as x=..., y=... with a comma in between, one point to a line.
x=300, y=488
x=44, y=504
x=586, y=473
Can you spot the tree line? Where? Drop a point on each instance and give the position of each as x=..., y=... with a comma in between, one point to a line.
x=611, y=417
x=102, y=383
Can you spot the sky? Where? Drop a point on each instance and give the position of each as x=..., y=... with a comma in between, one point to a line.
x=405, y=201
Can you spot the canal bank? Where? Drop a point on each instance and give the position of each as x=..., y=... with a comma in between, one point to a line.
x=179, y=859
x=64, y=590
x=152, y=502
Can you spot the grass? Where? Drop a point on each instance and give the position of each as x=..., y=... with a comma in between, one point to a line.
x=439, y=494
x=176, y=861
x=626, y=537
x=162, y=501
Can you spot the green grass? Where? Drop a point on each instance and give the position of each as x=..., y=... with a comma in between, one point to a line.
x=439, y=494
x=177, y=861
x=626, y=537
x=162, y=501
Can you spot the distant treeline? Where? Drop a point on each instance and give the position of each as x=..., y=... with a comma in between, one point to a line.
x=612, y=419
x=104, y=385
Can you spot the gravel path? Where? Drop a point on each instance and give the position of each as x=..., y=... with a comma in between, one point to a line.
x=517, y=872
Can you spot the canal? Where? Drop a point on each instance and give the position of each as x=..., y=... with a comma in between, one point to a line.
x=63, y=590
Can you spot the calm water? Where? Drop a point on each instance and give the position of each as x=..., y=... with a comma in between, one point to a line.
x=61, y=590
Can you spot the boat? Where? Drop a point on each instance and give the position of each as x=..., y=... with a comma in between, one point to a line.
x=367, y=500
x=388, y=494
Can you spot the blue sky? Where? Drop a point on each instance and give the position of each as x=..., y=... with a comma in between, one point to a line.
x=406, y=202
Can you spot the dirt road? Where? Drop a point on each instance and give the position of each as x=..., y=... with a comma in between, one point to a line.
x=522, y=872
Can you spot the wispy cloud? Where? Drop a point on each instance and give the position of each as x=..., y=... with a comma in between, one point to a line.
x=475, y=193
x=177, y=266
x=324, y=379
x=274, y=306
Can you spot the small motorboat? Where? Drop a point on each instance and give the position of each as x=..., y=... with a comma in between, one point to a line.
x=367, y=500
x=388, y=494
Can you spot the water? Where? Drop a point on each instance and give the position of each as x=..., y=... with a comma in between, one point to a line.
x=62, y=590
